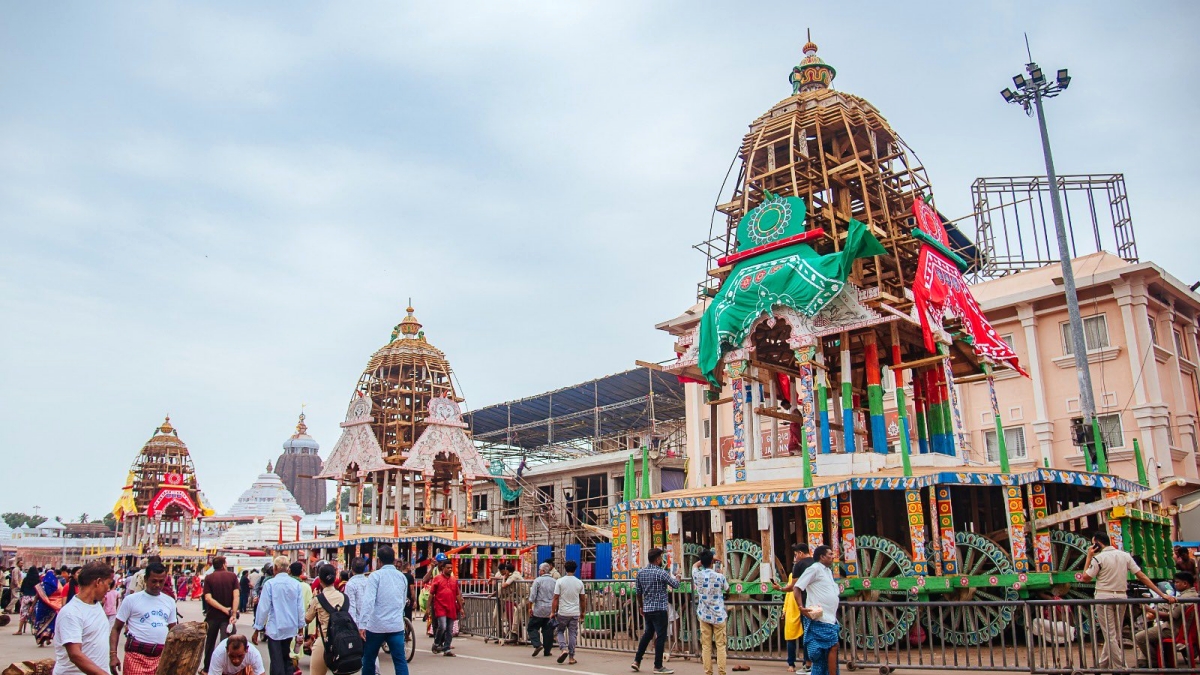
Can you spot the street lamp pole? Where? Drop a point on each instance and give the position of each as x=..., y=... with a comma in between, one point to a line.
x=1029, y=94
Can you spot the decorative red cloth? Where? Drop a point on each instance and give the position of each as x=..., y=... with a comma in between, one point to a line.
x=140, y=664
x=940, y=287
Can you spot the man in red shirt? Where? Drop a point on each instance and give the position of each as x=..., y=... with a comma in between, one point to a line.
x=446, y=600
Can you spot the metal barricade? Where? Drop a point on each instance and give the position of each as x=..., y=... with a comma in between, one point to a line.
x=479, y=616
x=1044, y=637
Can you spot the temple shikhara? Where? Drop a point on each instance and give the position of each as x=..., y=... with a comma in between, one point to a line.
x=298, y=467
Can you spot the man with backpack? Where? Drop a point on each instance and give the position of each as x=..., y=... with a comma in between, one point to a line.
x=384, y=597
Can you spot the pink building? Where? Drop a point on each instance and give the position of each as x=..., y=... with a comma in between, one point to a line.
x=1140, y=326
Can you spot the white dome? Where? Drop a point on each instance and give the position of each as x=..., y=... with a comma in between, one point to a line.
x=267, y=531
x=258, y=501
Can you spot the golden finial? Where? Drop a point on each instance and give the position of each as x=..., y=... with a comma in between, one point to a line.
x=166, y=427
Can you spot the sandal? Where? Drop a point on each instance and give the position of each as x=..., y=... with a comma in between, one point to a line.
x=571, y=662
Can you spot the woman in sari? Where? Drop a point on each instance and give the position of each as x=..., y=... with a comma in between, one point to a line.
x=28, y=599
x=50, y=597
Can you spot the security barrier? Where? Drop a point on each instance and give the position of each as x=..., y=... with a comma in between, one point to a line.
x=1034, y=636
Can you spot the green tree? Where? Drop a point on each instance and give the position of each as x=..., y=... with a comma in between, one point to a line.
x=16, y=519
x=110, y=520
x=83, y=517
x=343, y=500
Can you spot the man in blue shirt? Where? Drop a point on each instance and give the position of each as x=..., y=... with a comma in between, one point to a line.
x=382, y=611
x=280, y=615
x=652, y=583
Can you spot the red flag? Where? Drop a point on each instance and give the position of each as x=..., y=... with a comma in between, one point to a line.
x=940, y=288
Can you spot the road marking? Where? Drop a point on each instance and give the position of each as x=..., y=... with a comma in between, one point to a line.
x=531, y=665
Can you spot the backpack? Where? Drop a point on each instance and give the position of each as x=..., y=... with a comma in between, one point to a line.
x=343, y=644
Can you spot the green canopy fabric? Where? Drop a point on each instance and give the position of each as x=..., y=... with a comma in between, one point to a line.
x=496, y=468
x=776, y=218
x=795, y=276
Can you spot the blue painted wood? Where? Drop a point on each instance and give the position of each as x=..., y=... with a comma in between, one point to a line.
x=575, y=552
x=604, y=560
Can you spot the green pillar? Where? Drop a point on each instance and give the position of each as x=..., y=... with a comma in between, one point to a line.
x=630, y=480
x=1141, y=464
x=645, y=472
x=1001, y=446
x=901, y=404
x=1101, y=454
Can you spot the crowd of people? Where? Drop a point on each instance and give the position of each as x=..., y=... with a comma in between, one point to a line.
x=297, y=608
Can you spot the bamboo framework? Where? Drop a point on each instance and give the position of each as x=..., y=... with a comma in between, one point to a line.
x=163, y=461
x=401, y=379
x=836, y=152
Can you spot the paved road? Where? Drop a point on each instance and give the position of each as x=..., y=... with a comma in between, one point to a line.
x=473, y=654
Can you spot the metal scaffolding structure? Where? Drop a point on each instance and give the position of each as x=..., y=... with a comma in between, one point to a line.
x=1013, y=230
x=618, y=412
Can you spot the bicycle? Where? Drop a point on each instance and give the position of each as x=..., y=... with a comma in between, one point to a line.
x=410, y=642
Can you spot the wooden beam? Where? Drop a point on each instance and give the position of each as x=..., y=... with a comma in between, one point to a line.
x=929, y=360
x=778, y=414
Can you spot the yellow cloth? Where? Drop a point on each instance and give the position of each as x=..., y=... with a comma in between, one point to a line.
x=792, y=626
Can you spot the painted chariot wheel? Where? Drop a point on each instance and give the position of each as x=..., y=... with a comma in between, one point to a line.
x=748, y=626
x=976, y=625
x=1068, y=552
x=879, y=557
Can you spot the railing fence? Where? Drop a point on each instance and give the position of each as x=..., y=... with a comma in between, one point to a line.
x=1034, y=636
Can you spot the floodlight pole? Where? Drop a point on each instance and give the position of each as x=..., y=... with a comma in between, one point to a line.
x=1036, y=91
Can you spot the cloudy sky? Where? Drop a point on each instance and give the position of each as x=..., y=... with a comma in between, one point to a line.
x=219, y=210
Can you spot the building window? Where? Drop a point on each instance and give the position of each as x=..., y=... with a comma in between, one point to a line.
x=1008, y=340
x=1111, y=431
x=1180, y=345
x=1014, y=442
x=707, y=428
x=1095, y=334
x=479, y=503
x=1153, y=330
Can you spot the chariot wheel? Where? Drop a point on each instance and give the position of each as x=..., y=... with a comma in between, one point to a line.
x=879, y=557
x=691, y=553
x=1068, y=552
x=977, y=556
x=748, y=626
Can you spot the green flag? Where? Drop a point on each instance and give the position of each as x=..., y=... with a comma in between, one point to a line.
x=795, y=276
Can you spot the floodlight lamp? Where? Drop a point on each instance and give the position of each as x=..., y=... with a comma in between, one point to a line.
x=1063, y=78
x=1019, y=80
x=1008, y=95
x=1038, y=77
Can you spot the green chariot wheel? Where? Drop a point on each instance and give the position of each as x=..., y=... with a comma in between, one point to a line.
x=881, y=558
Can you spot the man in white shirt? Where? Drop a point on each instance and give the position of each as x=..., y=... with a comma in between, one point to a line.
x=81, y=632
x=570, y=604
x=233, y=656
x=146, y=617
x=820, y=613
x=280, y=615
x=355, y=587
